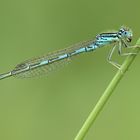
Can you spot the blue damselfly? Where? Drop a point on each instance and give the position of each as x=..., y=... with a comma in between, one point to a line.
x=47, y=63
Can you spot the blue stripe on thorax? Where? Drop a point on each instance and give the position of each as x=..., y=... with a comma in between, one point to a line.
x=106, y=39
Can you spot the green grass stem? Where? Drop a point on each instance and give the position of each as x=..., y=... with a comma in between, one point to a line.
x=107, y=93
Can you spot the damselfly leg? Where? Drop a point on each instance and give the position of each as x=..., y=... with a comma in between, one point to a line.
x=122, y=43
x=109, y=58
x=119, y=45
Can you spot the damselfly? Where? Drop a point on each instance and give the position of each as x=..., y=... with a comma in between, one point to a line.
x=47, y=63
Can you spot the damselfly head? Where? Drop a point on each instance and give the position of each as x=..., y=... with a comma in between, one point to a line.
x=125, y=33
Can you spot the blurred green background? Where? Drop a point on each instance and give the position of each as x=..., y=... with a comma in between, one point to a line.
x=55, y=106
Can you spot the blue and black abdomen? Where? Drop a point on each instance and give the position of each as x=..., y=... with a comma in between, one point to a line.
x=47, y=63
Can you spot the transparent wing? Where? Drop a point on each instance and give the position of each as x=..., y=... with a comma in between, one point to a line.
x=45, y=69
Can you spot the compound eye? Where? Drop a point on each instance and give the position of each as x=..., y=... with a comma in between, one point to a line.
x=125, y=32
